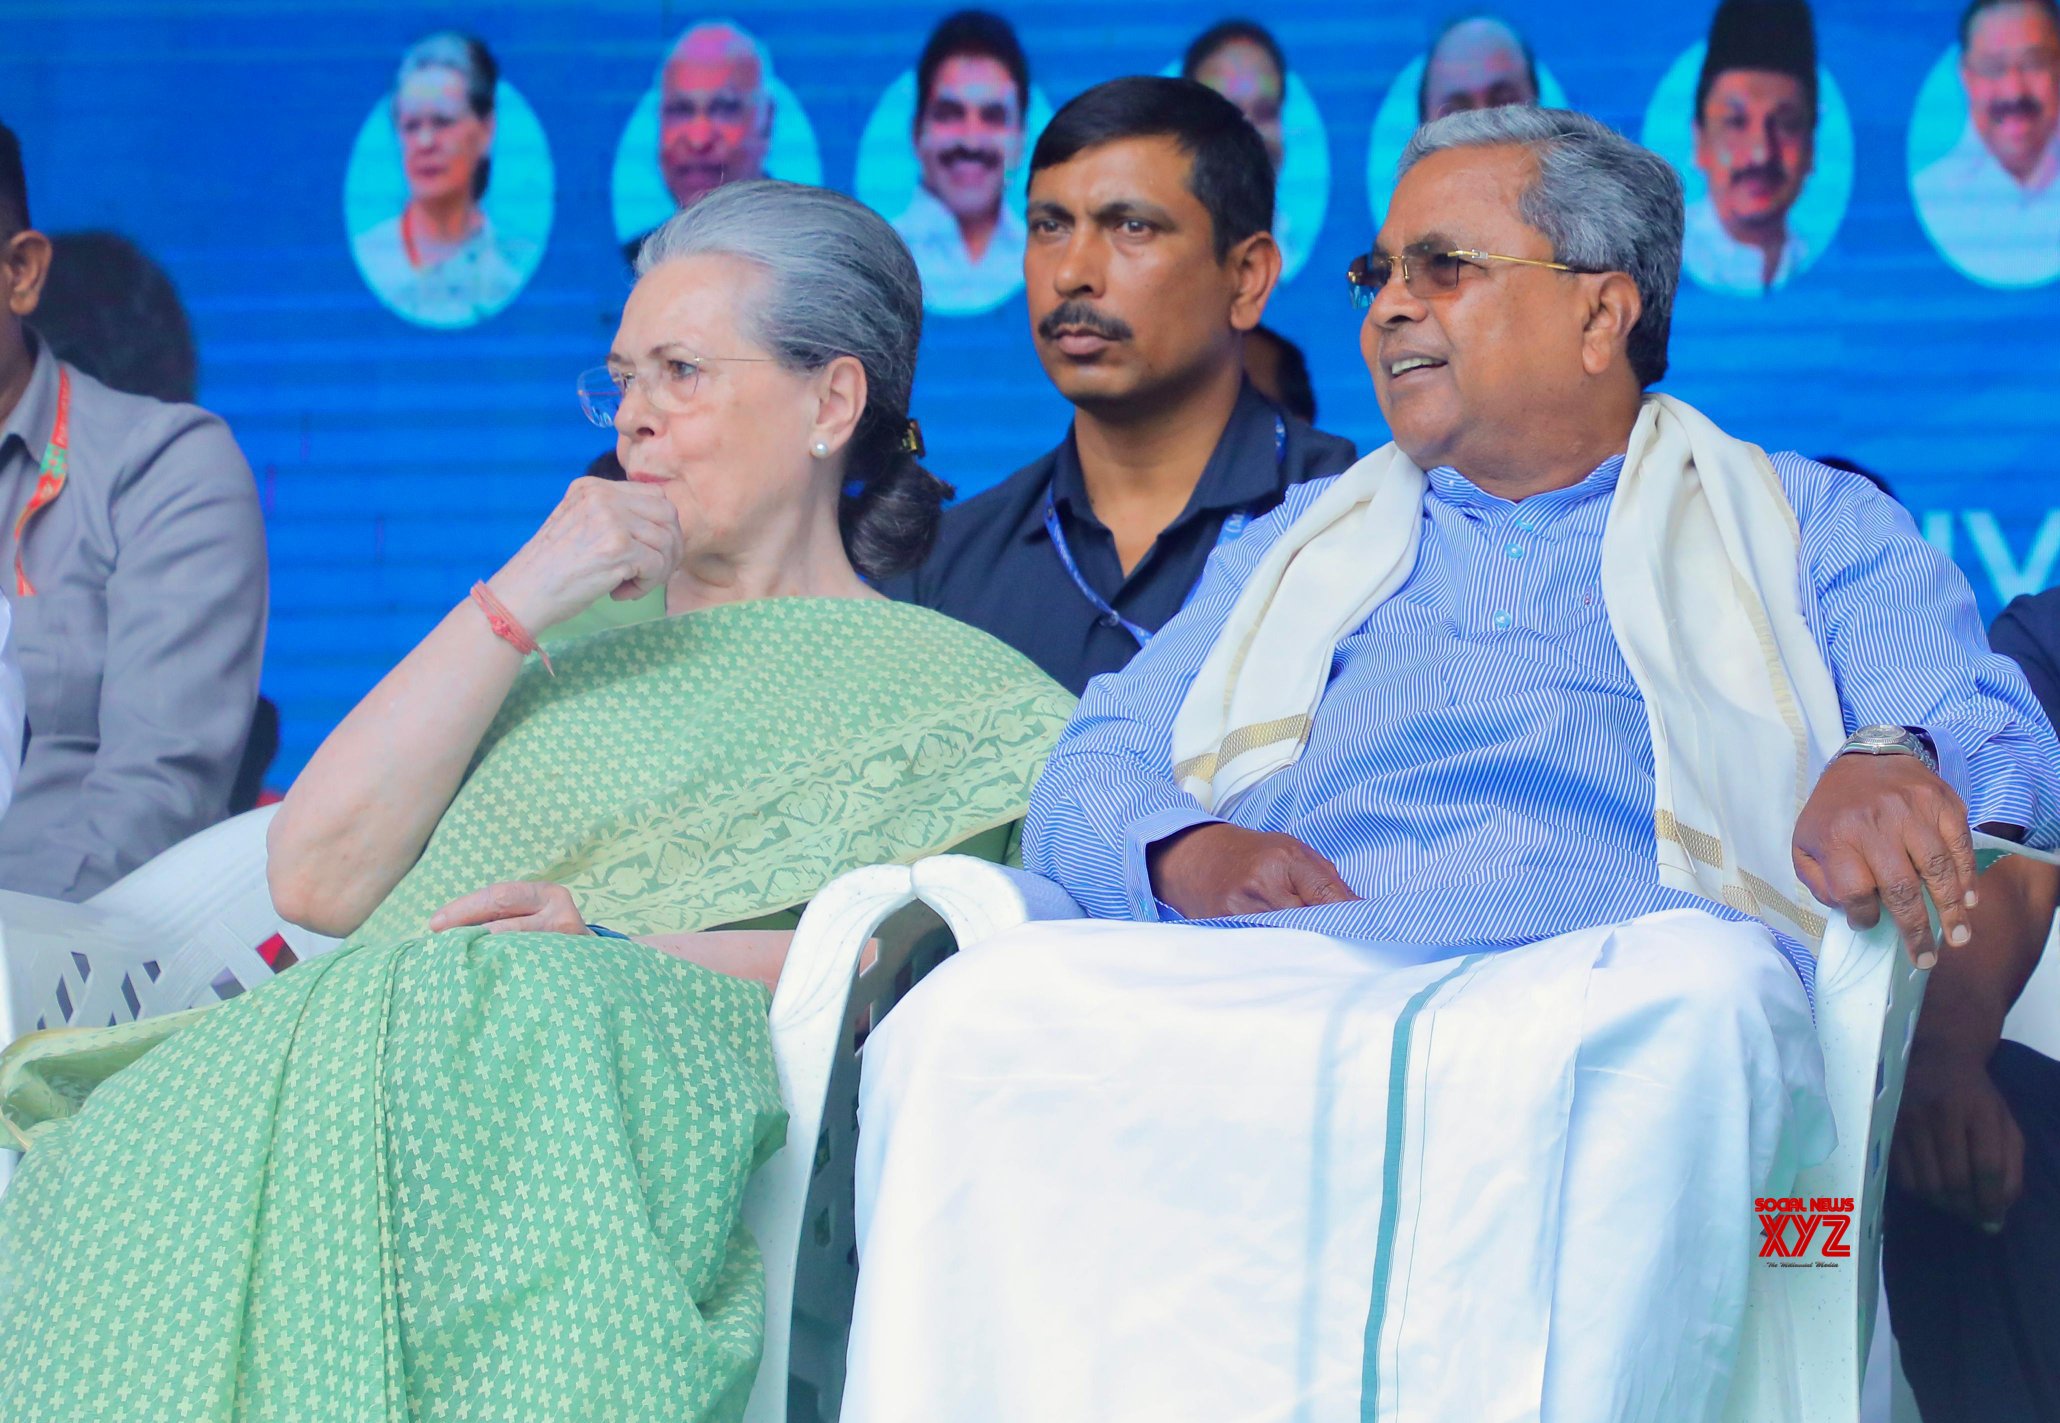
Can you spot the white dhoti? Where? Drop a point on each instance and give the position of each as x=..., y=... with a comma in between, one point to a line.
x=1139, y=1172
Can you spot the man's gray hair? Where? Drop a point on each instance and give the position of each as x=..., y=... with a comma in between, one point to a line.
x=739, y=39
x=1602, y=201
x=838, y=281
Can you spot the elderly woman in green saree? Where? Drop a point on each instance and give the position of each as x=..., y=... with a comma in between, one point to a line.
x=481, y=1162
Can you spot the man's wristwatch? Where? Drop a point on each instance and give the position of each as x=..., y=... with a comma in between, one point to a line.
x=1892, y=741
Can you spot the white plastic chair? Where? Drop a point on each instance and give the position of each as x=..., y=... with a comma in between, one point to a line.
x=175, y=933
x=184, y=929
x=1807, y=1330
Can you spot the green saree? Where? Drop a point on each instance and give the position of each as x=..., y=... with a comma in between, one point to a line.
x=468, y=1176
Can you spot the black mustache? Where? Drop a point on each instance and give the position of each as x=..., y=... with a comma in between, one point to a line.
x=1773, y=172
x=1080, y=315
x=960, y=152
x=2024, y=108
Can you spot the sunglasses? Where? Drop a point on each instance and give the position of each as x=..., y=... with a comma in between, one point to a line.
x=1428, y=273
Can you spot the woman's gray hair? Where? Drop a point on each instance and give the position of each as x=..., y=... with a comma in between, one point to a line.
x=838, y=282
x=1602, y=201
x=474, y=63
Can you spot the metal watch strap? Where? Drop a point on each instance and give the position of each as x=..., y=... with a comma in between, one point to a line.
x=1892, y=741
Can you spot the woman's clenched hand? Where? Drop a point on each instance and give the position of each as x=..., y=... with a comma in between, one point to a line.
x=605, y=538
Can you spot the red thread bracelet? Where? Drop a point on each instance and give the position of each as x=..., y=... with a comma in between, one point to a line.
x=507, y=627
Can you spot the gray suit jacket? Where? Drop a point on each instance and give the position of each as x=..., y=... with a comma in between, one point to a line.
x=141, y=647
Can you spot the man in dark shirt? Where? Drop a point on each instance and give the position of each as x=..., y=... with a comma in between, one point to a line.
x=1972, y=1247
x=2028, y=632
x=1149, y=259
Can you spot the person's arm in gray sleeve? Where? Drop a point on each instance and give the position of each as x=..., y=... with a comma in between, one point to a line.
x=13, y=707
x=185, y=641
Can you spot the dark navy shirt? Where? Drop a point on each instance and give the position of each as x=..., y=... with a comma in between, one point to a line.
x=2028, y=632
x=994, y=565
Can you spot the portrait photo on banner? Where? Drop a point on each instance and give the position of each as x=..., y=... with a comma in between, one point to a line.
x=1760, y=134
x=1242, y=61
x=447, y=198
x=1984, y=146
x=1475, y=62
x=715, y=113
x=944, y=155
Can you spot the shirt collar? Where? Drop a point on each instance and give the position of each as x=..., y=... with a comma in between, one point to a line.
x=36, y=411
x=1449, y=486
x=1242, y=470
x=1976, y=158
x=928, y=217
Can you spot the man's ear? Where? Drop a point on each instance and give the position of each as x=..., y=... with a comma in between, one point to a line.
x=24, y=266
x=1254, y=264
x=1614, y=307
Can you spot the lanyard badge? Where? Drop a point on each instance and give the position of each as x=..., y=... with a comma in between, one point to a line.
x=1232, y=527
x=49, y=479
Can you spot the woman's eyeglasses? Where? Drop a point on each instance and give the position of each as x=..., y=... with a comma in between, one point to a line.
x=1428, y=273
x=669, y=384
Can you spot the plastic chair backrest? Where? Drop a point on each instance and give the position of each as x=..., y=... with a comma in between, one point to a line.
x=182, y=930
x=799, y=1205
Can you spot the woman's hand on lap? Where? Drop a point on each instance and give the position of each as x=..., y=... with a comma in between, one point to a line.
x=516, y=907
x=604, y=538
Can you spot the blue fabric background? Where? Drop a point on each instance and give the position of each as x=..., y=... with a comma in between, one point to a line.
x=399, y=463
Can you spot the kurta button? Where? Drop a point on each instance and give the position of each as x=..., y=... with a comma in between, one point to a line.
x=1515, y=550
x=1501, y=620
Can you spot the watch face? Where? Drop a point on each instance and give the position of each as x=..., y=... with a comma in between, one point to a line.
x=1893, y=740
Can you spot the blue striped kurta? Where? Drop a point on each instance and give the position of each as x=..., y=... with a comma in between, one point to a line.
x=1480, y=769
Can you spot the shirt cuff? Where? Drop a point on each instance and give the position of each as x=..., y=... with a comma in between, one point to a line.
x=1950, y=744
x=1144, y=833
x=1989, y=772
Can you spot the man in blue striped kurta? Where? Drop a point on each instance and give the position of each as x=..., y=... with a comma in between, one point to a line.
x=1400, y=1085
x=1480, y=771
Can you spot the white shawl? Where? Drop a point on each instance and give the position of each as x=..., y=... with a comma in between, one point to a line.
x=1700, y=579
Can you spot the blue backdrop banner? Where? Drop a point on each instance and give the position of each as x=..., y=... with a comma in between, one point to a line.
x=406, y=441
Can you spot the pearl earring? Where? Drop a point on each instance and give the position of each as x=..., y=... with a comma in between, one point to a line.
x=822, y=449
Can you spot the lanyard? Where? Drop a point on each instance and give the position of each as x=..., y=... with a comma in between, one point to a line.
x=49, y=479
x=1232, y=527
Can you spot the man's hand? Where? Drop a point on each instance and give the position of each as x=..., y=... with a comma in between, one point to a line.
x=1211, y=871
x=1879, y=831
x=517, y=907
x=1956, y=1143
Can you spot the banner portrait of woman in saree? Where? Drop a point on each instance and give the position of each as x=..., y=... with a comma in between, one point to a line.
x=1761, y=136
x=1985, y=145
x=448, y=195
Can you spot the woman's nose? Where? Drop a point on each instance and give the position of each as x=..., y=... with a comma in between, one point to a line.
x=636, y=417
